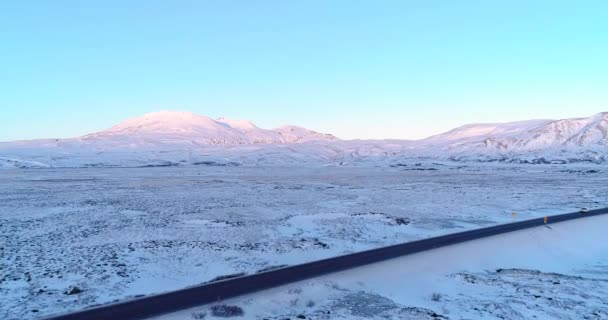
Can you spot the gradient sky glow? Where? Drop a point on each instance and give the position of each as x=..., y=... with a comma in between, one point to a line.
x=358, y=69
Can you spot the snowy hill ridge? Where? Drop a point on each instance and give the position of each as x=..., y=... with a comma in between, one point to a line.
x=184, y=138
x=533, y=135
x=178, y=127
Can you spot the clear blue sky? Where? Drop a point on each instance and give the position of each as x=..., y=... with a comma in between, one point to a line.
x=358, y=69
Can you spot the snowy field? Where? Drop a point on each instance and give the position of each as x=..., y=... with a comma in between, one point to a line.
x=539, y=273
x=72, y=238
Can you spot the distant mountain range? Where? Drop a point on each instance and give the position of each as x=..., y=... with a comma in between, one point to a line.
x=566, y=140
x=181, y=138
x=527, y=135
x=186, y=128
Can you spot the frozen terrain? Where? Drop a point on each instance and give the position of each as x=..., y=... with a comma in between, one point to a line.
x=73, y=238
x=534, y=141
x=173, y=199
x=170, y=138
x=186, y=128
x=556, y=272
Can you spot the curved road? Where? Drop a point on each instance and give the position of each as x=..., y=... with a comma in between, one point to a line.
x=208, y=293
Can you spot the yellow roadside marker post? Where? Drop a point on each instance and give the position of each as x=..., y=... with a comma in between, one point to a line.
x=546, y=219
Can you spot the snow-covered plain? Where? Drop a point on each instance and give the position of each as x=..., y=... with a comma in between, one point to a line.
x=116, y=233
x=554, y=272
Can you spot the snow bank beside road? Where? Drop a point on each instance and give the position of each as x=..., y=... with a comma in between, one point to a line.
x=557, y=272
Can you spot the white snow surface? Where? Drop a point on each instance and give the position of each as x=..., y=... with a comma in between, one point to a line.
x=117, y=233
x=183, y=138
x=548, y=136
x=554, y=272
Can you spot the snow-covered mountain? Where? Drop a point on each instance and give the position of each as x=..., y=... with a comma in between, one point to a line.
x=182, y=138
x=528, y=135
x=566, y=138
x=168, y=137
x=474, y=132
x=185, y=128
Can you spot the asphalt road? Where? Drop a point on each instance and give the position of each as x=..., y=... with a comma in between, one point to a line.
x=213, y=292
